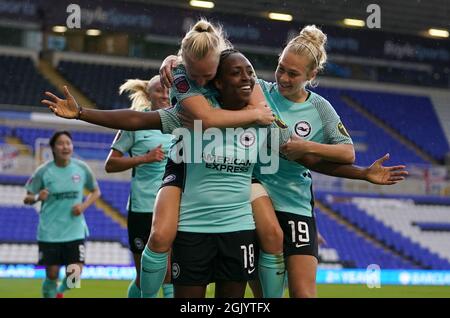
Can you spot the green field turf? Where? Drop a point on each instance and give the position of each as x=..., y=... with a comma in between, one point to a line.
x=30, y=288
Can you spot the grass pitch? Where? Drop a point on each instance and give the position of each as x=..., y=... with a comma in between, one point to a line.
x=31, y=288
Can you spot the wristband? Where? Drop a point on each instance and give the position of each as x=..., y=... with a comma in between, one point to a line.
x=36, y=198
x=80, y=111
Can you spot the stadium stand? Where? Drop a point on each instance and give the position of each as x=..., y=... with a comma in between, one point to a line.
x=116, y=194
x=412, y=116
x=24, y=84
x=100, y=82
x=390, y=248
x=353, y=249
x=95, y=144
x=375, y=141
x=395, y=233
x=107, y=240
x=390, y=222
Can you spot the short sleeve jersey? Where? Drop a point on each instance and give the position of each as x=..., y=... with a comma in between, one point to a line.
x=145, y=178
x=216, y=197
x=182, y=88
x=65, y=185
x=290, y=188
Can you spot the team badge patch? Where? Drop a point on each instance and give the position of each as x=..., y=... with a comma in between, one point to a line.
x=175, y=270
x=247, y=139
x=169, y=178
x=181, y=84
x=139, y=243
x=342, y=130
x=76, y=178
x=303, y=128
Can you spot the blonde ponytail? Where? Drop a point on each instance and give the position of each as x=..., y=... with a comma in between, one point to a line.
x=202, y=39
x=137, y=93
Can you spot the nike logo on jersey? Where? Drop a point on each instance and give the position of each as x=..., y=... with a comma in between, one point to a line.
x=280, y=273
x=301, y=245
x=251, y=270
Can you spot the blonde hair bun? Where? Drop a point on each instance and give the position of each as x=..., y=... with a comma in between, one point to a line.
x=314, y=35
x=311, y=42
x=203, y=26
x=201, y=39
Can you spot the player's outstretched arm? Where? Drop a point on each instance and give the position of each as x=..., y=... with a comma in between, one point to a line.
x=198, y=108
x=376, y=173
x=298, y=147
x=118, y=119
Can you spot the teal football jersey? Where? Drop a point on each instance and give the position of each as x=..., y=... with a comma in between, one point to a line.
x=65, y=185
x=182, y=88
x=216, y=197
x=145, y=178
x=290, y=188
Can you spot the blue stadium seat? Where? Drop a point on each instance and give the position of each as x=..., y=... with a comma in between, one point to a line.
x=100, y=82
x=20, y=225
x=412, y=116
x=116, y=194
x=366, y=134
x=401, y=244
x=14, y=90
x=353, y=249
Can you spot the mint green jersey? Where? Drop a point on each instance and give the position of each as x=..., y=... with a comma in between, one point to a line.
x=315, y=120
x=65, y=186
x=145, y=178
x=182, y=88
x=216, y=196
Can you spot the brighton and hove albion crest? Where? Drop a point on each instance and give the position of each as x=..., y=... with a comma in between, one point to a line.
x=76, y=178
x=247, y=139
x=175, y=270
x=302, y=128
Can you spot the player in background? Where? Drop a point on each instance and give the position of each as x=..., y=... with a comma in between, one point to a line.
x=62, y=229
x=146, y=149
